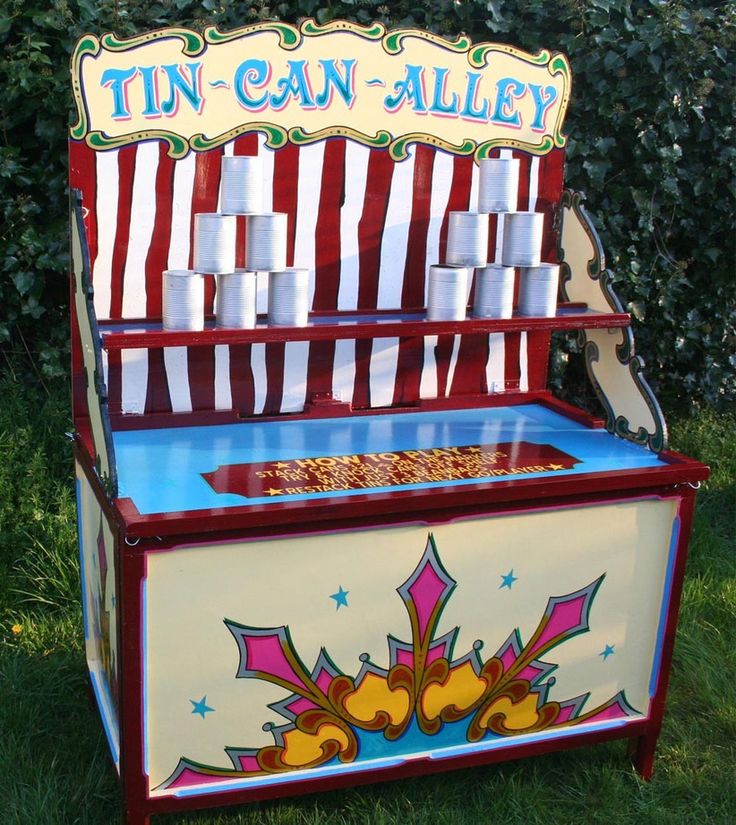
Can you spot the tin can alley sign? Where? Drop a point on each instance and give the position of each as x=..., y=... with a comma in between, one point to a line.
x=384, y=89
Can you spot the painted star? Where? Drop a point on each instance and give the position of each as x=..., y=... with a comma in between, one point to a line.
x=341, y=598
x=281, y=465
x=274, y=492
x=607, y=651
x=555, y=466
x=508, y=580
x=201, y=707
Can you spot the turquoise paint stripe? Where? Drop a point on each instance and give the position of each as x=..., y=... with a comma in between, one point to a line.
x=109, y=722
x=376, y=764
x=664, y=609
x=82, y=571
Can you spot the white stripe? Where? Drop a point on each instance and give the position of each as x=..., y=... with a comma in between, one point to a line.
x=311, y=159
x=533, y=183
x=223, y=394
x=496, y=364
x=384, y=358
x=262, y=277
x=142, y=219
x=523, y=364
x=134, y=380
x=396, y=235
x=428, y=381
x=343, y=371
x=105, y=370
x=267, y=155
x=177, y=376
x=474, y=179
x=106, y=209
x=181, y=212
x=504, y=153
x=258, y=366
x=453, y=362
x=442, y=172
x=356, y=174
x=296, y=357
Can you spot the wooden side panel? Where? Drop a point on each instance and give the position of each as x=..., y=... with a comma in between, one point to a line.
x=613, y=367
x=98, y=566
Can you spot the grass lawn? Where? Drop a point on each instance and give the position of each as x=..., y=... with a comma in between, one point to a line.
x=54, y=765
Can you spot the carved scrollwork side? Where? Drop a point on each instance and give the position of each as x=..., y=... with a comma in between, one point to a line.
x=615, y=371
x=89, y=338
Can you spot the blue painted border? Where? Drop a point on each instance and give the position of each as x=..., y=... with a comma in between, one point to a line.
x=107, y=714
x=664, y=608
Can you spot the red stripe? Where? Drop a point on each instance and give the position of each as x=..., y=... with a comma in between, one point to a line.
x=361, y=385
x=525, y=162
x=201, y=360
x=83, y=176
x=242, y=385
x=285, y=178
x=158, y=398
x=327, y=249
x=537, y=356
x=411, y=350
x=115, y=381
x=551, y=171
x=158, y=251
x=512, y=370
x=470, y=370
x=370, y=227
x=321, y=361
x=442, y=356
x=126, y=171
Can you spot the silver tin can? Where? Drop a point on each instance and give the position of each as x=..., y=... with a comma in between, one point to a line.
x=447, y=292
x=288, y=297
x=235, y=299
x=265, y=242
x=242, y=184
x=498, y=184
x=183, y=300
x=494, y=291
x=214, y=242
x=522, y=239
x=467, y=239
x=538, y=290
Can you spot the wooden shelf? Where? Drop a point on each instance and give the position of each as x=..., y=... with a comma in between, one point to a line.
x=118, y=335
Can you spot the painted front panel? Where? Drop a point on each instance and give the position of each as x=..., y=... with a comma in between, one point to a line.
x=97, y=567
x=274, y=660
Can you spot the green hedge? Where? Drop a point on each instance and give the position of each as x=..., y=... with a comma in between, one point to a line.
x=651, y=143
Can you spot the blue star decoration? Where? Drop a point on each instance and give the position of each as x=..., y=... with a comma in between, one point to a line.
x=341, y=598
x=508, y=580
x=201, y=707
x=607, y=651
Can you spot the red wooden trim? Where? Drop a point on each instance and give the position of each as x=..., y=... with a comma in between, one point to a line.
x=572, y=412
x=389, y=325
x=82, y=455
x=132, y=775
x=155, y=421
x=422, y=504
x=645, y=748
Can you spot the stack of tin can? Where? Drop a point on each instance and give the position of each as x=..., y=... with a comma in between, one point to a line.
x=520, y=235
x=214, y=254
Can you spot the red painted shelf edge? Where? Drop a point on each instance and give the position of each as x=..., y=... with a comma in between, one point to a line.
x=578, y=318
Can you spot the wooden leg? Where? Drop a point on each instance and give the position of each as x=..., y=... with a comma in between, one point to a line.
x=641, y=752
x=136, y=817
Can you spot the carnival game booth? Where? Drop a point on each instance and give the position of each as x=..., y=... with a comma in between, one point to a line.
x=334, y=526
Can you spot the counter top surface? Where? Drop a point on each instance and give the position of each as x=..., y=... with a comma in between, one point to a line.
x=268, y=462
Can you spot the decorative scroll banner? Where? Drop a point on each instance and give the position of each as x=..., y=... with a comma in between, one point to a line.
x=323, y=474
x=384, y=89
